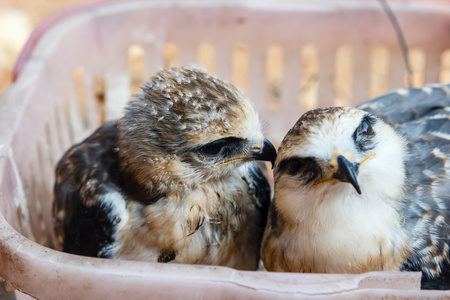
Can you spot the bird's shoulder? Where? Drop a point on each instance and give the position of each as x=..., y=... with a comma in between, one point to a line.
x=89, y=164
x=86, y=196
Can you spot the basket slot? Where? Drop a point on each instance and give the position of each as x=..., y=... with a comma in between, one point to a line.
x=66, y=117
x=379, y=71
x=73, y=112
x=94, y=95
x=239, y=67
x=136, y=67
x=80, y=87
x=171, y=55
x=291, y=108
x=35, y=202
x=444, y=74
x=53, y=146
x=205, y=56
x=417, y=60
x=326, y=76
x=33, y=205
x=14, y=204
x=223, y=60
x=44, y=180
x=343, y=77
x=290, y=87
x=397, y=70
x=309, y=68
x=187, y=53
x=117, y=89
x=62, y=125
x=361, y=74
x=274, y=75
x=256, y=84
x=433, y=65
x=153, y=58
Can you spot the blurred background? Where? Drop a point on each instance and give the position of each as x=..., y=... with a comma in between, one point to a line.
x=17, y=20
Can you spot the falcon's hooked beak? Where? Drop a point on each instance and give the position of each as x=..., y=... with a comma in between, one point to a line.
x=344, y=170
x=347, y=172
x=267, y=153
x=264, y=152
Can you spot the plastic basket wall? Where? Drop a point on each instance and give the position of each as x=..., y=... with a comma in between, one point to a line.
x=288, y=56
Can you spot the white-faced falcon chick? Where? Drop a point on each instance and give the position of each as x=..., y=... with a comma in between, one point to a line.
x=355, y=194
x=174, y=180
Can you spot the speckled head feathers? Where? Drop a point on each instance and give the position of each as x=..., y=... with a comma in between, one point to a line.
x=178, y=110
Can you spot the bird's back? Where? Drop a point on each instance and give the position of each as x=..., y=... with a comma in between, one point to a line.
x=422, y=117
x=85, y=176
x=427, y=207
x=408, y=104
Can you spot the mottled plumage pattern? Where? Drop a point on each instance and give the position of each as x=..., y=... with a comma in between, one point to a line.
x=319, y=222
x=172, y=180
x=422, y=116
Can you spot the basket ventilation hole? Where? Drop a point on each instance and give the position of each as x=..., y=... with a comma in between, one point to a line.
x=379, y=72
x=171, y=55
x=59, y=130
x=205, y=57
x=274, y=75
x=309, y=85
x=135, y=67
x=78, y=77
x=67, y=115
x=239, y=67
x=444, y=75
x=343, y=83
x=99, y=94
x=418, y=60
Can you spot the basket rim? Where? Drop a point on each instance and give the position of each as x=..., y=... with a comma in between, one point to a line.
x=18, y=252
x=73, y=10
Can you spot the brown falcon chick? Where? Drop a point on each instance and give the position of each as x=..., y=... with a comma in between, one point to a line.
x=354, y=194
x=172, y=181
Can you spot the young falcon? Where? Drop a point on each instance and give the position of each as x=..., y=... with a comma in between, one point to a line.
x=354, y=194
x=172, y=180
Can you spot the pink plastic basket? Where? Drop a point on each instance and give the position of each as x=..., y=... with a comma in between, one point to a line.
x=288, y=55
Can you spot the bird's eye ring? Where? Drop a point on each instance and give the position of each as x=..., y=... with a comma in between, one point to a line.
x=213, y=148
x=365, y=129
x=364, y=133
x=224, y=147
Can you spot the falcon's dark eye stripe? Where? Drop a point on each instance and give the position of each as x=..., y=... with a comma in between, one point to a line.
x=305, y=167
x=364, y=134
x=216, y=147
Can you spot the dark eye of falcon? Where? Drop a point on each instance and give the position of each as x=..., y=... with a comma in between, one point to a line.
x=364, y=133
x=305, y=167
x=294, y=166
x=216, y=147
